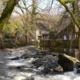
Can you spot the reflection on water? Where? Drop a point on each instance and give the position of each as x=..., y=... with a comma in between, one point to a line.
x=8, y=70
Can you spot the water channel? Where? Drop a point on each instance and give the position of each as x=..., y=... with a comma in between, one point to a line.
x=8, y=70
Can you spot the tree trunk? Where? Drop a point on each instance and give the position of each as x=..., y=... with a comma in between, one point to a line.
x=74, y=15
x=5, y=16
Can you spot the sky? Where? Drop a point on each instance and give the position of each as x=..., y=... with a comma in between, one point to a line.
x=42, y=4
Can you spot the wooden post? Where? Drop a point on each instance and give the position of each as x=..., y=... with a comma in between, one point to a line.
x=1, y=42
x=79, y=44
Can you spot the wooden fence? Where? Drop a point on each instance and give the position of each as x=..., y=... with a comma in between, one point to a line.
x=59, y=45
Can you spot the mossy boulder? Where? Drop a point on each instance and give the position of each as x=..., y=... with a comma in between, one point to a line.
x=67, y=62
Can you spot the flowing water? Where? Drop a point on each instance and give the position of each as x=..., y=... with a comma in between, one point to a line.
x=8, y=70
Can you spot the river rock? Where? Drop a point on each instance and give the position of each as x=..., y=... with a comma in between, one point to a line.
x=49, y=57
x=37, y=63
x=15, y=58
x=55, y=70
x=43, y=52
x=52, y=67
x=58, y=69
x=65, y=63
x=77, y=67
x=28, y=54
x=25, y=56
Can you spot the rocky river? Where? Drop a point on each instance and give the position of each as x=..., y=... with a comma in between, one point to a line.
x=24, y=64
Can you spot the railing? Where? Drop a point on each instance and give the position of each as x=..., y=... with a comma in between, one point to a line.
x=59, y=45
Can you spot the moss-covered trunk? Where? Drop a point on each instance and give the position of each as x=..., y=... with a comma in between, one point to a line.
x=75, y=15
x=6, y=15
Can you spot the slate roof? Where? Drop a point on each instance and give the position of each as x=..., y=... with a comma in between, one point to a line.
x=43, y=27
x=63, y=23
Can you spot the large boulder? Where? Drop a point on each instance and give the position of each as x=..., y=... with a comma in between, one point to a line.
x=49, y=64
x=67, y=62
x=45, y=60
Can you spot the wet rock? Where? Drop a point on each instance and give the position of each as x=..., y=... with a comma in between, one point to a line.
x=52, y=67
x=66, y=63
x=25, y=56
x=46, y=70
x=77, y=67
x=49, y=57
x=78, y=71
x=43, y=52
x=58, y=69
x=15, y=58
x=45, y=60
x=53, y=70
x=28, y=54
x=37, y=63
x=48, y=63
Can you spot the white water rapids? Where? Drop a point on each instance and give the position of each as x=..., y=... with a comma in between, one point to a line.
x=8, y=69
x=25, y=75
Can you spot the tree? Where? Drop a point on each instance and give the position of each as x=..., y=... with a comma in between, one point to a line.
x=75, y=14
x=6, y=15
x=70, y=12
x=28, y=17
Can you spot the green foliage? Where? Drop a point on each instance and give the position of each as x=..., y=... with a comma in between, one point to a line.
x=6, y=13
x=66, y=1
x=69, y=1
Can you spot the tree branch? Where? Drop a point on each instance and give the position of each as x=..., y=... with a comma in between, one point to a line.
x=71, y=14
